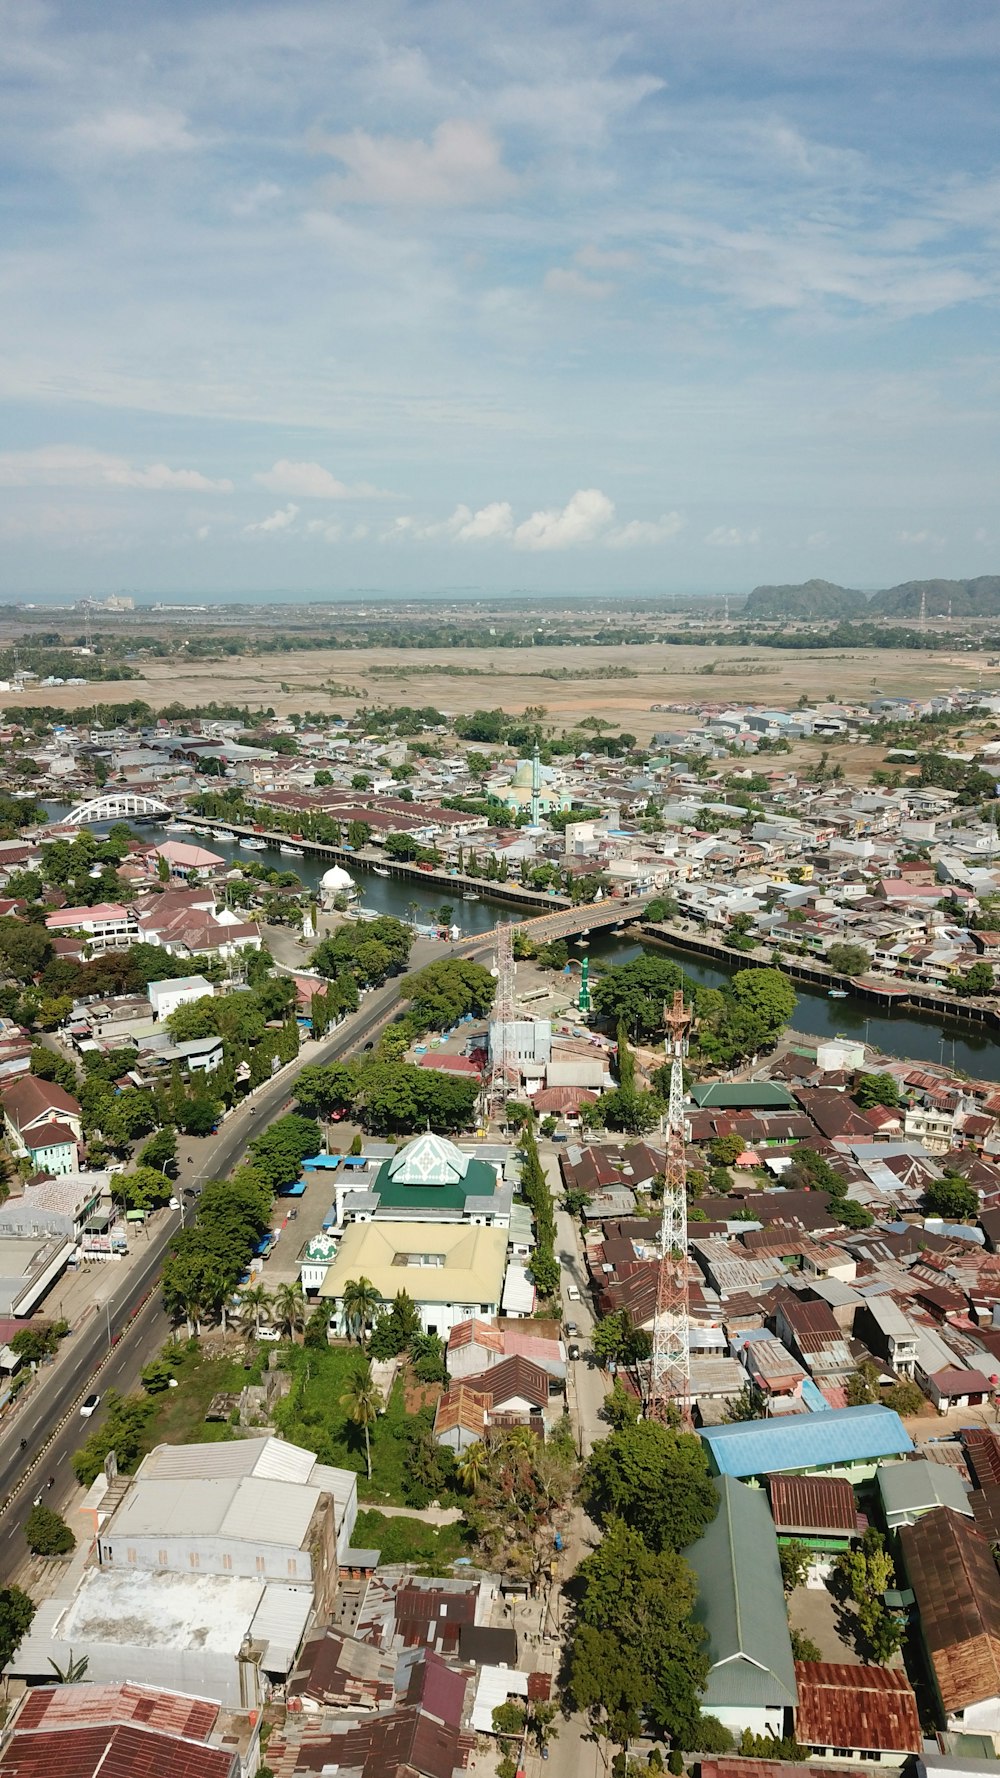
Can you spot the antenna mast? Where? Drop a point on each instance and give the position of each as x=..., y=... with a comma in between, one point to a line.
x=670, y=1367
x=503, y=1057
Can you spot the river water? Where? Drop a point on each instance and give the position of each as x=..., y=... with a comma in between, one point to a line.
x=916, y=1035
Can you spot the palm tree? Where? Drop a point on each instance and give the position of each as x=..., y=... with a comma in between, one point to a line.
x=472, y=1466
x=254, y=1302
x=192, y=1308
x=289, y=1308
x=362, y=1402
x=361, y=1304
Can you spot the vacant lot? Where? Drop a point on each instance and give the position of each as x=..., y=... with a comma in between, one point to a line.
x=514, y=678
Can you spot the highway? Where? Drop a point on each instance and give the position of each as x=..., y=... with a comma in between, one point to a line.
x=110, y=1348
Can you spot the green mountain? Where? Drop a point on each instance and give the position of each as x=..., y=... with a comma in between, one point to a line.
x=963, y=598
x=814, y=598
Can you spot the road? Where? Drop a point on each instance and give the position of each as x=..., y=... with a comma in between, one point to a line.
x=110, y=1349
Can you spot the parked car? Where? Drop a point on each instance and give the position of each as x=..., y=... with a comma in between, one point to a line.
x=573, y=1350
x=571, y=1328
x=90, y=1406
x=174, y=1204
x=268, y=1333
x=572, y=1291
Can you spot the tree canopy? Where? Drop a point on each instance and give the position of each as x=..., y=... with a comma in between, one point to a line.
x=656, y=1480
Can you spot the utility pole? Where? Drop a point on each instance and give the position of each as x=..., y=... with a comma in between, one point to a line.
x=670, y=1366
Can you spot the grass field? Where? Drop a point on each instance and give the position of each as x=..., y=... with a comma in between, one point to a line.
x=179, y=1418
x=312, y=1416
x=434, y=1547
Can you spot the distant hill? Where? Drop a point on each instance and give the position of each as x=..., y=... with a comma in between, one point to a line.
x=965, y=598
x=814, y=598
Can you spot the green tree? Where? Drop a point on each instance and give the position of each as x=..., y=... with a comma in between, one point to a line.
x=863, y=1384
x=848, y=959
x=635, y=1650
x=905, y=1398
x=289, y=1308
x=794, y=1557
x=362, y=1402
x=978, y=979
x=726, y=1150
x=875, y=1089
x=48, y=1533
x=803, y=1647
x=655, y=1479
x=16, y=1613
x=952, y=1198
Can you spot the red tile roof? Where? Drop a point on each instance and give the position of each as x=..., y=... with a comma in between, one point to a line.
x=52, y=1706
x=812, y=1503
x=867, y=1708
x=121, y=1750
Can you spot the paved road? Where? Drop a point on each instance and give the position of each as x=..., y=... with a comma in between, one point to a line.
x=132, y=1327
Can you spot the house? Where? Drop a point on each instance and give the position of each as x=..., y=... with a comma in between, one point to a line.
x=848, y=1712
x=452, y=1272
x=956, y=1386
x=846, y=1441
x=950, y=1569
x=909, y=1490
x=94, y=1731
x=473, y=1346
x=514, y=1392
x=888, y=1333
x=166, y=996
x=184, y=861
x=106, y=926
x=43, y=1123
x=741, y=1604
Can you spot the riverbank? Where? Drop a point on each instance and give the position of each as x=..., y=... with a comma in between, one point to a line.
x=920, y=997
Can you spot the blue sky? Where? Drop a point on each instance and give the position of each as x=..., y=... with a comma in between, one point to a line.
x=409, y=294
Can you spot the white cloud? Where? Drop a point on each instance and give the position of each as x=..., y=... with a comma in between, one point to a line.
x=581, y=520
x=562, y=280
x=461, y=164
x=202, y=532
x=329, y=532
x=151, y=131
x=491, y=522
x=74, y=466
x=604, y=259
x=258, y=198
x=924, y=537
x=728, y=537
x=278, y=521
x=310, y=481
x=818, y=540
x=646, y=533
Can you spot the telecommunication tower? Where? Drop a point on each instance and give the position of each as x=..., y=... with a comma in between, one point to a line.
x=503, y=1058
x=670, y=1366
x=536, y=788
x=923, y=608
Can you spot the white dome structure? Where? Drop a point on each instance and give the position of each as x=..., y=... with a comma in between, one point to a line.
x=336, y=881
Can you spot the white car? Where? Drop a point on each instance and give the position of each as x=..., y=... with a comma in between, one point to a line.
x=90, y=1406
x=268, y=1333
x=174, y=1204
x=573, y=1293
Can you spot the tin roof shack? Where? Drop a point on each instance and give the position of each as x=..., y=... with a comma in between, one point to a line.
x=119, y=1730
x=819, y=1511
x=741, y=1603
x=848, y=1712
x=950, y=1568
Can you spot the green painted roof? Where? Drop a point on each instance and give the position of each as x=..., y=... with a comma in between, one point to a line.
x=431, y=1172
x=743, y=1095
x=741, y=1602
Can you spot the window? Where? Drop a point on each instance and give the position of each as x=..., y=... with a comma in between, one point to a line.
x=227, y=1563
x=293, y=1567
x=130, y=1555
x=194, y=1558
x=260, y=1564
x=161, y=1557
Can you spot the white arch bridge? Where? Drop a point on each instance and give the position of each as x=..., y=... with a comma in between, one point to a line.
x=117, y=806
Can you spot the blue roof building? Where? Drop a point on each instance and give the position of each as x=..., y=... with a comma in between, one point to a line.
x=847, y=1441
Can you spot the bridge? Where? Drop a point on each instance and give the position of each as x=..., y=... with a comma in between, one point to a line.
x=589, y=916
x=119, y=805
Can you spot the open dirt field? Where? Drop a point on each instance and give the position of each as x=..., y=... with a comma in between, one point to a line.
x=512, y=680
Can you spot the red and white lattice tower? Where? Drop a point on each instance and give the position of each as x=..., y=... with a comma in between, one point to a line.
x=503, y=1055
x=670, y=1365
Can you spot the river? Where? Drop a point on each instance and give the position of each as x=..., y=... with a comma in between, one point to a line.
x=917, y=1035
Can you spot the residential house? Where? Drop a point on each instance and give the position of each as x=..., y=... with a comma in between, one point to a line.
x=951, y=1572
x=96, y=1731
x=859, y=1713
x=909, y=1490
x=43, y=1123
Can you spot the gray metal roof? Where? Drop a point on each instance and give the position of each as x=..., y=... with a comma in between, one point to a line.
x=918, y=1486
x=741, y=1602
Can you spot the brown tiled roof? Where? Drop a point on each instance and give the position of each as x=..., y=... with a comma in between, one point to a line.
x=982, y=1449
x=954, y=1578
x=738, y=1767
x=813, y=1503
x=868, y=1708
x=516, y=1375
x=985, y=1504
x=28, y=1099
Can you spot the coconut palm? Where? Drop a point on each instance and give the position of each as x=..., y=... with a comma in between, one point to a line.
x=254, y=1301
x=289, y=1308
x=192, y=1308
x=362, y=1402
x=472, y=1466
x=361, y=1304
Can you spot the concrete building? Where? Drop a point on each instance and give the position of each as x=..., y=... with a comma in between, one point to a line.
x=166, y=996
x=451, y=1272
x=430, y=1180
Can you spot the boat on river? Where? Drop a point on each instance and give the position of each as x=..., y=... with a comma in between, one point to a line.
x=836, y=993
x=379, y=871
x=254, y=845
x=291, y=851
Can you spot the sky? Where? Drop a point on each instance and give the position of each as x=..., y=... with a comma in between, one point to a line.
x=619, y=295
